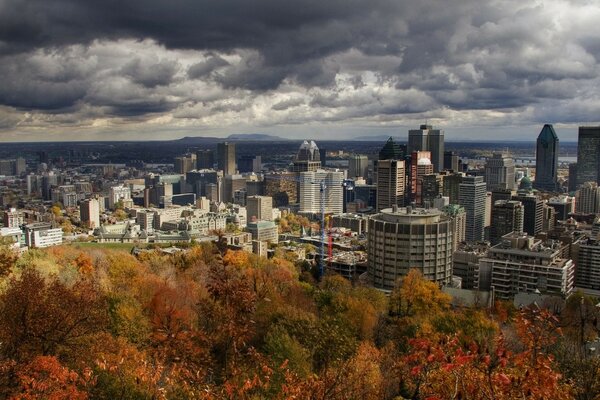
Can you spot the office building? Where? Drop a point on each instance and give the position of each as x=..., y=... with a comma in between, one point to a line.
x=249, y=163
x=89, y=211
x=185, y=163
x=451, y=161
x=367, y=195
x=282, y=187
x=41, y=234
x=392, y=151
x=472, y=196
x=586, y=253
x=263, y=231
x=13, y=218
x=572, y=183
x=197, y=180
x=588, y=155
x=587, y=198
x=451, y=186
x=259, y=208
x=308, y=158
x=500, y=172
x=400, y=239
x=507, y=217
x=465, y=263
x=231, y=184
x=563, y=206
x=390, y=183
x=546, y=160
x=205, y=159
x=432, y=188
x=226, y=158
x=458, y=218
x=523, y=264
x=533, y=206
x=428, y=139
x=420, y=165
x=358, y=166
x=310, y=191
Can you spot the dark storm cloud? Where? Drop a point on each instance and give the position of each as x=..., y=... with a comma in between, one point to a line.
x=341, y=59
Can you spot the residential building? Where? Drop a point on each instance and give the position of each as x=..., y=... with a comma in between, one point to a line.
x=13, y=218
x=587, y=198
x=507, y=217
x=472, y=196
x=89, y=212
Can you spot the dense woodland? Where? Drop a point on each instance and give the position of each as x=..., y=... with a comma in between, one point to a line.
x=213, y=323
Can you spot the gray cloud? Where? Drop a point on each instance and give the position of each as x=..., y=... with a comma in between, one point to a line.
x=341, y=60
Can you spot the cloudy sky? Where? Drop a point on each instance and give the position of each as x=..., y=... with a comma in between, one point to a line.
x=149, y=69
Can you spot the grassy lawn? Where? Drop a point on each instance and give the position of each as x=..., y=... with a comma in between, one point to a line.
x=113, y=246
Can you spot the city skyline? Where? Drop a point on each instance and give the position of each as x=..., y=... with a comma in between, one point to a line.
x=335, y=70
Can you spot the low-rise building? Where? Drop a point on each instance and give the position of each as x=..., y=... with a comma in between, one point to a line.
x=41, y=234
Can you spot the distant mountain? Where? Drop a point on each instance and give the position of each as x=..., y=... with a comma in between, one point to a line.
x=254, y=136
x=197, y=139
x=378, y=138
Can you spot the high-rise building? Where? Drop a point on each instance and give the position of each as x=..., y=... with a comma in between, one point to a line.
x=451, y=186
x=231, y=183
x=563, y=206
x=185, y=163
x=226, y=158
x=420, y=165
x=282, y=187
x=117, y=194
x=310, y=191
x=431, y=189
x=250, y=163
x=546, y=160
x=308, y=157
x=458, y=216
x=358, y=166
x=392, y=151
x=259, y=207
x=588, y=155
x=400, y=239
x=587, y=198
x=205, y=159
x=390, y=183
x=89, y=211
x=500, y=172
x=13, y=218
x=451, y=161
x=586, y=253
x=428, y=139
x=472, y=196
x=533, y=206
x=572, y=184
x=507, y=217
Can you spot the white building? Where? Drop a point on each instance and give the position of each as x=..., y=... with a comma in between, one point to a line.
x=41, y=234
x=116, y=194
x=310, y=195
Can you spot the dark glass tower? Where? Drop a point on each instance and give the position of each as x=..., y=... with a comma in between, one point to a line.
x=392, y=151
x=588, y=154
x=546, y=160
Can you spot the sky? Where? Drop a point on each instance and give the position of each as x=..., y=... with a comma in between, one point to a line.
x=324, y=69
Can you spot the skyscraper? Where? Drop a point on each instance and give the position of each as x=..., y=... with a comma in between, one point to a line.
x=507, y=217
x=310, y=195
x=472, y=196
x=308, y=157
x=420, y=165
x=89, y=210
x=392, y=151
x=226, y=157
x=533, y=220
x=358, y=165
x=260, y=207
x=390, y=183
x=428, y=139
x=588, y=154
x=205, y=159
x=451, y=161
x=500, y=172
x=546, y=160
x=587, y=198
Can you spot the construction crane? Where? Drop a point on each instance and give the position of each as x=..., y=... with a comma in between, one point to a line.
x=322, y=189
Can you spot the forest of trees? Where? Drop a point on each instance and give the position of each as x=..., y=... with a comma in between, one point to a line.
x=212, y=323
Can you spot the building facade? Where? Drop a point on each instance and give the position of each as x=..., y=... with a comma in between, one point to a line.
x=390, y=183
x=472, y=196
x=546, y=160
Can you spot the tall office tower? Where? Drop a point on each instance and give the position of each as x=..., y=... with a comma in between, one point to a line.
x=432, y=188
x=500, y=172
x=323, y=156
x=548, y=219
x=89, y=210
x=185, y=163
x=48, y=181
x=587, y=198
x=358, y=166
x=392, y=151
x=13, y=218
x=503, y=194
x=451, y=185
x=523, y=264
x=563, y=206
x=226, y=157
x=546, y=160
x=533, y=221
x=308, y=158
x=451, y=161
x=367, y=195
x=428, y=139
x=507, y=217
x=232, y=183
x=586, y=254
x=310, y=191
x=472, y=196
x=249, y=163
x=400, y=239
x=420, y=165
x=205, y=159
x=259, y=207
x=116, y=194
x=390, y=183
x=572, y=184
x=458, y=216
x=588, y=155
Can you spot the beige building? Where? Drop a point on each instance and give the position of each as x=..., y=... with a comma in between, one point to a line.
x=260, y=207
